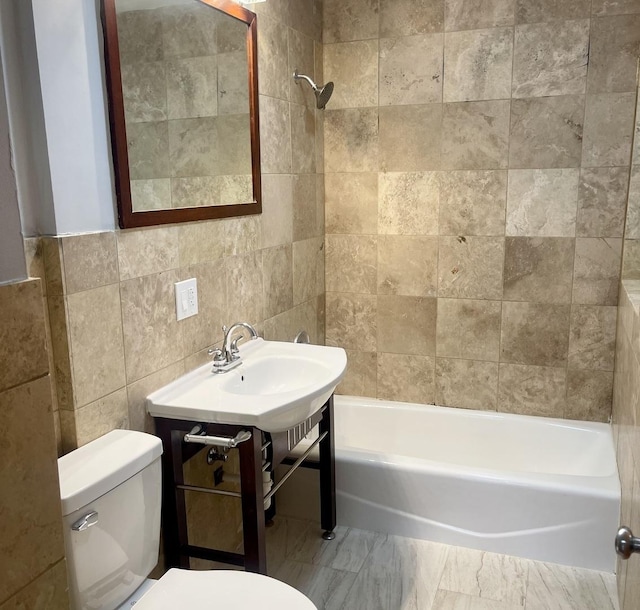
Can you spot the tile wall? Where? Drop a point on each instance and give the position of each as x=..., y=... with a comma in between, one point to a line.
x=626, y=387
x=32, y=560
x=110, y=296
x=476, y=170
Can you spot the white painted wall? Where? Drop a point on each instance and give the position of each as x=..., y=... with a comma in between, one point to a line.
x=68, y=44
x=12, y=261
x=26, y=118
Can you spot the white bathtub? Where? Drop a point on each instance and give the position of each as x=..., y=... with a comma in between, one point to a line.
x=541, y=488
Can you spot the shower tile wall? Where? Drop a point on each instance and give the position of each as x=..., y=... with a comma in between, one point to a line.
x=476, y=167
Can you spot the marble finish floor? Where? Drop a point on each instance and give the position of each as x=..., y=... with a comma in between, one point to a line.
x=362, y=570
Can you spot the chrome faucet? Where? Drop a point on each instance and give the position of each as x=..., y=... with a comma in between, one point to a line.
x=228, y=357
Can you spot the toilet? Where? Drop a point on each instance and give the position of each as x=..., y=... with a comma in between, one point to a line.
x=111, y=495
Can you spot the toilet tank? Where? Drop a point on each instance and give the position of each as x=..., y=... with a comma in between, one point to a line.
x=117, y=476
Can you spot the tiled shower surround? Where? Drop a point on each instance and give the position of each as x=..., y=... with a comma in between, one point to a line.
x=476, y=170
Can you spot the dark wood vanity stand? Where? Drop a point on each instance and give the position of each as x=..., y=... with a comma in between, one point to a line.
x=176, y=452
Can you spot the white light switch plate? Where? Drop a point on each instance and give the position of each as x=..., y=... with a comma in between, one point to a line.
x=186, y=298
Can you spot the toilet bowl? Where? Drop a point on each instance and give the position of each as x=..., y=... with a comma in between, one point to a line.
x=110, y=491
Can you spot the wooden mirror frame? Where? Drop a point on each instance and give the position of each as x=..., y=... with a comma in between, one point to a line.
x=127, y=217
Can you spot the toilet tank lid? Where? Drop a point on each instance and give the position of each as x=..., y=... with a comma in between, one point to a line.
x=101, y=465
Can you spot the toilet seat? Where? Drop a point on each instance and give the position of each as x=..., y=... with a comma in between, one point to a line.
x=228, y=589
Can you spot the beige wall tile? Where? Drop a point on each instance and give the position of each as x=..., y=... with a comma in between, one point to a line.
x=533, y=11
x=277, y=210
x=275, y=135
x=532, y=390
x=631, y=259
x=473, y=202
x=542, y=202
x=244, y=288
x=53, y=265
x=48, y=590
x=96, y=343
x=468, y=329
x=61, y=371
x=308, y=269
x=478, y=65
x=360, y=378
x=105, y=414
x=410, y=137
x=144, y=88
x=597, y=271
x=608, y=129
x=273, y=58
x=470, y=267
x=460, y=15
x=90, y=260
x=200, y=242
x=143, y=252
x=31, y=537
x=307, y=219
x=407, y=265
x=475, y=135
x=23, y=351
x=302, y=58
x=203, y=329
x=546, y=132
x=589, y=395
x=303, y=139
x=351, y=263
x=406, y=378
x=632, y=228
x=615, y=43
x=242, y=235
x=535, y=333
x=277, y=279
x=350, y=20
x=408, y=203
x=551, y=58
x=354, y=66
x=351, y=321
x=405, y=17
x=615, y=7
x=137, y=392
x=468, y=384
x=185, y=192
x=592, y=337
x=152, y=336
x=601, y=201
x=405, y=81
x=34, y=255
x=406, y=325
x=538, y=269
x=351, y=140
x=351, y=202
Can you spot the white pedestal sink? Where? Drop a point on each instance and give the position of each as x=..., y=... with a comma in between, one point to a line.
x=277, y=386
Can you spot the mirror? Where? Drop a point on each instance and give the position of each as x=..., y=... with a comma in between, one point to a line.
x=183, y=107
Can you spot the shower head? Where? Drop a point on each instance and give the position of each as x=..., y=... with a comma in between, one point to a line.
x=322, y=93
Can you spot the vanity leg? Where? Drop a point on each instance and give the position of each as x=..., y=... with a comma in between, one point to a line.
x=174, y=519
x=255, y=557
x=327, y=474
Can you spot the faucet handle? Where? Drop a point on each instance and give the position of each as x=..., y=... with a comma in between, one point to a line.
x=234, y=345
x=217, y=354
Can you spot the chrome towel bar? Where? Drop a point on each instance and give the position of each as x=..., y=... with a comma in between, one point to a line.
x=196, y=436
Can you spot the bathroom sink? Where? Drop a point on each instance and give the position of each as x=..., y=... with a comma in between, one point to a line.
x=276, y=386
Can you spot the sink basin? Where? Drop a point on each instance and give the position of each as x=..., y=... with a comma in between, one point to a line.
x=276, y=386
